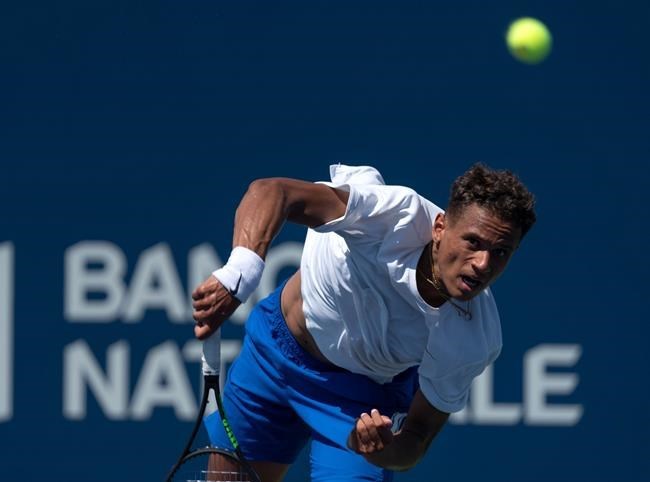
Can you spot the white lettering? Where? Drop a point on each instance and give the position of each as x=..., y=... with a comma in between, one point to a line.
x=6, y=330
x=482, y=410
x=96, y=289
x=163, y=382
x=155, y=284
x=82, y=279
x=538, y=384
x=81, y=369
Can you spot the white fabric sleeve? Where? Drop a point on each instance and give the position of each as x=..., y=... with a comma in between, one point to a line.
x=342, y=174
x=374, y=210
x=448, y=389
x=449, y=392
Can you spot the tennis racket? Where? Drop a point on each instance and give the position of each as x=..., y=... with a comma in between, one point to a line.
x=212, y=463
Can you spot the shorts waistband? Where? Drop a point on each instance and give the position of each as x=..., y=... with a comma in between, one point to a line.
x=284, y=339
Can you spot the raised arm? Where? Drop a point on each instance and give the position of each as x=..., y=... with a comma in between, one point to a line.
x=372, y=436
x=267, y=204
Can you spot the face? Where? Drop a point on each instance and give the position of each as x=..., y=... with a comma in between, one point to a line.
x=473, y=250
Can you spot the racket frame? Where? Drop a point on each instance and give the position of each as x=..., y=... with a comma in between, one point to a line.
x=211, y=382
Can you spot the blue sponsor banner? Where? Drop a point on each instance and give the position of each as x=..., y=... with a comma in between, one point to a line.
x=130, y=132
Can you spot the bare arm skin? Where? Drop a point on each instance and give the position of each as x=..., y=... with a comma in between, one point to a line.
x=372, y=437
x=265, y=207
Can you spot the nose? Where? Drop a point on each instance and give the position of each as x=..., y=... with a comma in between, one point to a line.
x=481, y=262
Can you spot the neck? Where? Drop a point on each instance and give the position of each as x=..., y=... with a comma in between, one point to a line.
x=428, y=283
x=438, y=295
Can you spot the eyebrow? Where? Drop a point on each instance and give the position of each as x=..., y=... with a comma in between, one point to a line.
x=503, y=244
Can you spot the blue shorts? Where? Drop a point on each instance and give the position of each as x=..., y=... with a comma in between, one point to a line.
x=277, y=397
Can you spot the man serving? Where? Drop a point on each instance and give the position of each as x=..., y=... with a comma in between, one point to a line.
x=376, y=339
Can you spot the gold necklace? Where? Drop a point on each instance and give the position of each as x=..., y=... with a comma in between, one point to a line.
x=435, y=282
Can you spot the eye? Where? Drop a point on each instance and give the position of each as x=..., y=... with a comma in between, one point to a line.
x=473, y=242
x=500, y=252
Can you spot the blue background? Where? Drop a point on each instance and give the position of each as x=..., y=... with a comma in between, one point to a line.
x=143, y=122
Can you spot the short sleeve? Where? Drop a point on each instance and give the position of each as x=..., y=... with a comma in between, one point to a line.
x=342, y=174
x=458, y=351
x=375, y=211
x=447, y=392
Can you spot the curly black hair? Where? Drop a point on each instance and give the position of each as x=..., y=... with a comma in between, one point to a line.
x=499, y=191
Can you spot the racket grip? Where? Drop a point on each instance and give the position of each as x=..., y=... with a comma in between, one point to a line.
x=211, y=356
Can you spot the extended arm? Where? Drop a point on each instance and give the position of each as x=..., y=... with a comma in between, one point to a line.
x=267, y=204
x=372, y=437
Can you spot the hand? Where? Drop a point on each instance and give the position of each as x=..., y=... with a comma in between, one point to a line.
x=371, y=433
x=213, y=305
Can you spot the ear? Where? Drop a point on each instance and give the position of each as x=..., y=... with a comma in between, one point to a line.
x=439, y=226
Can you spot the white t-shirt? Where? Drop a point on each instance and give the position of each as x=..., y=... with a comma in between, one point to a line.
x=361, y=301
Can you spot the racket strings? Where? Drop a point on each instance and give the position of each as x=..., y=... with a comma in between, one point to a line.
x=218, y=476
x=201, y=472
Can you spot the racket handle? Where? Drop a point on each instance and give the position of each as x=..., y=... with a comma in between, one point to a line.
x=211, y=356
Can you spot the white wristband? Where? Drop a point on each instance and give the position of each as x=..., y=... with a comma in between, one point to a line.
x=242, y=273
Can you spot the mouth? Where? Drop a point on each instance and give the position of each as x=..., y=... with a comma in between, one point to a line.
x=470, y=283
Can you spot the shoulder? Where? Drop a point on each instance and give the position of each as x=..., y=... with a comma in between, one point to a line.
x=367, y=187
x=382, y=207
x=382, y=197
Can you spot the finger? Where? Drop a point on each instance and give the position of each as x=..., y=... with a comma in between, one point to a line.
x=198, y=293
x=373, y=439
x=376, y=417
x=363, y=435
x=380, y=420
x=216, y=301
x=204, y=302
x=204, y=288
x=203, y=316
x=215, y=306
x=382, y=425
x=353, y=438
x=202, y=332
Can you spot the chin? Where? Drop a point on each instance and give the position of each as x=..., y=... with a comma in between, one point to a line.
x=468, y=295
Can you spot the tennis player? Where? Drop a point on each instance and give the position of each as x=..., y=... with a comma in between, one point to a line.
x=376, y=339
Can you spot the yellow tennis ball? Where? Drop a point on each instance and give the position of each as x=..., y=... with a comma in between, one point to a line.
x=529, y=40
